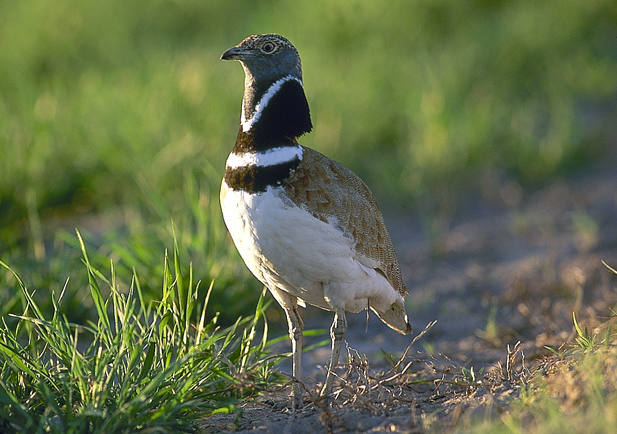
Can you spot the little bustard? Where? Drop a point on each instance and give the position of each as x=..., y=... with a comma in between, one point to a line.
x=306, y=226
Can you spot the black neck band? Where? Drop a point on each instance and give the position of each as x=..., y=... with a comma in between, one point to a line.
x=285, y=117
x=256, y=179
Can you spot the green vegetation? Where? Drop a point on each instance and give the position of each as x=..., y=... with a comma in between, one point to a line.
x=575, y=390
x=116, y=118
x=161, y=364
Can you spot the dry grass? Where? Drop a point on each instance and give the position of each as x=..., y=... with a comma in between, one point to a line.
x=416, y=392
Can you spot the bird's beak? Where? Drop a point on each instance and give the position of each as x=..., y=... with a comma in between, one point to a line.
x=234, y=53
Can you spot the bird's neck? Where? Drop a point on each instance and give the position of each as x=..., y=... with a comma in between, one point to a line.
x=266, y=152
x=274, y=114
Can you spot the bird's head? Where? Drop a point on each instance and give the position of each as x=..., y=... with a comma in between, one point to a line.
x=266, y=57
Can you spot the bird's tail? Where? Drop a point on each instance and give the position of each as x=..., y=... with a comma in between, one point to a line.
x=395, y=317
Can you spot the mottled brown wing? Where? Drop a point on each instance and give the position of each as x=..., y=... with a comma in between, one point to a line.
x=328, y=189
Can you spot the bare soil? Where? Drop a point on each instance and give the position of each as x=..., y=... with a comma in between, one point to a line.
x=502, y=279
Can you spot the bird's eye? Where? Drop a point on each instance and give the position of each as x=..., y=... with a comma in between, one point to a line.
x=267, y=48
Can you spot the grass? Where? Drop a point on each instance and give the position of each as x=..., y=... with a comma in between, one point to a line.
x=158, y=365
x=138, y=245
x=119, y=123
x=572, y=390
x=117, y=117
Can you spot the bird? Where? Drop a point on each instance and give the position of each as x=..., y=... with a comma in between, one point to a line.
x=306, y=226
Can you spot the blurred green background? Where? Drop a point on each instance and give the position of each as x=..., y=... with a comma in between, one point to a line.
x=116, y=117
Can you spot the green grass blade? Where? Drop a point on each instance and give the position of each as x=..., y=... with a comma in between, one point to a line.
x=95, y=291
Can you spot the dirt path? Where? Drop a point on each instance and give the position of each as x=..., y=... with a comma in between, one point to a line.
x=498, y=275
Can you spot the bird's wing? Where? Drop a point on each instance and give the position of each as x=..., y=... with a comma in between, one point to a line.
x=328, y=189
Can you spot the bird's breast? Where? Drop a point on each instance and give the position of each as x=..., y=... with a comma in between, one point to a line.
x=282, y=244
x=286, y=247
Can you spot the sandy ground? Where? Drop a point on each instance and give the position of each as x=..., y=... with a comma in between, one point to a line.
x=510, y=267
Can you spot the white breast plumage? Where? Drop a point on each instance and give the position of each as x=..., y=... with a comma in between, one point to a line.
x=286, y=247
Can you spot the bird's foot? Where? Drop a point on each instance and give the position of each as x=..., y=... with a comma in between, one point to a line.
x=297, y=395
x=326, y=391
x=326, y=398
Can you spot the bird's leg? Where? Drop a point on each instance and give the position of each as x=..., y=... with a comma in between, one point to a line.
x=296, y=326
x=289, y=303
x=337, y=333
